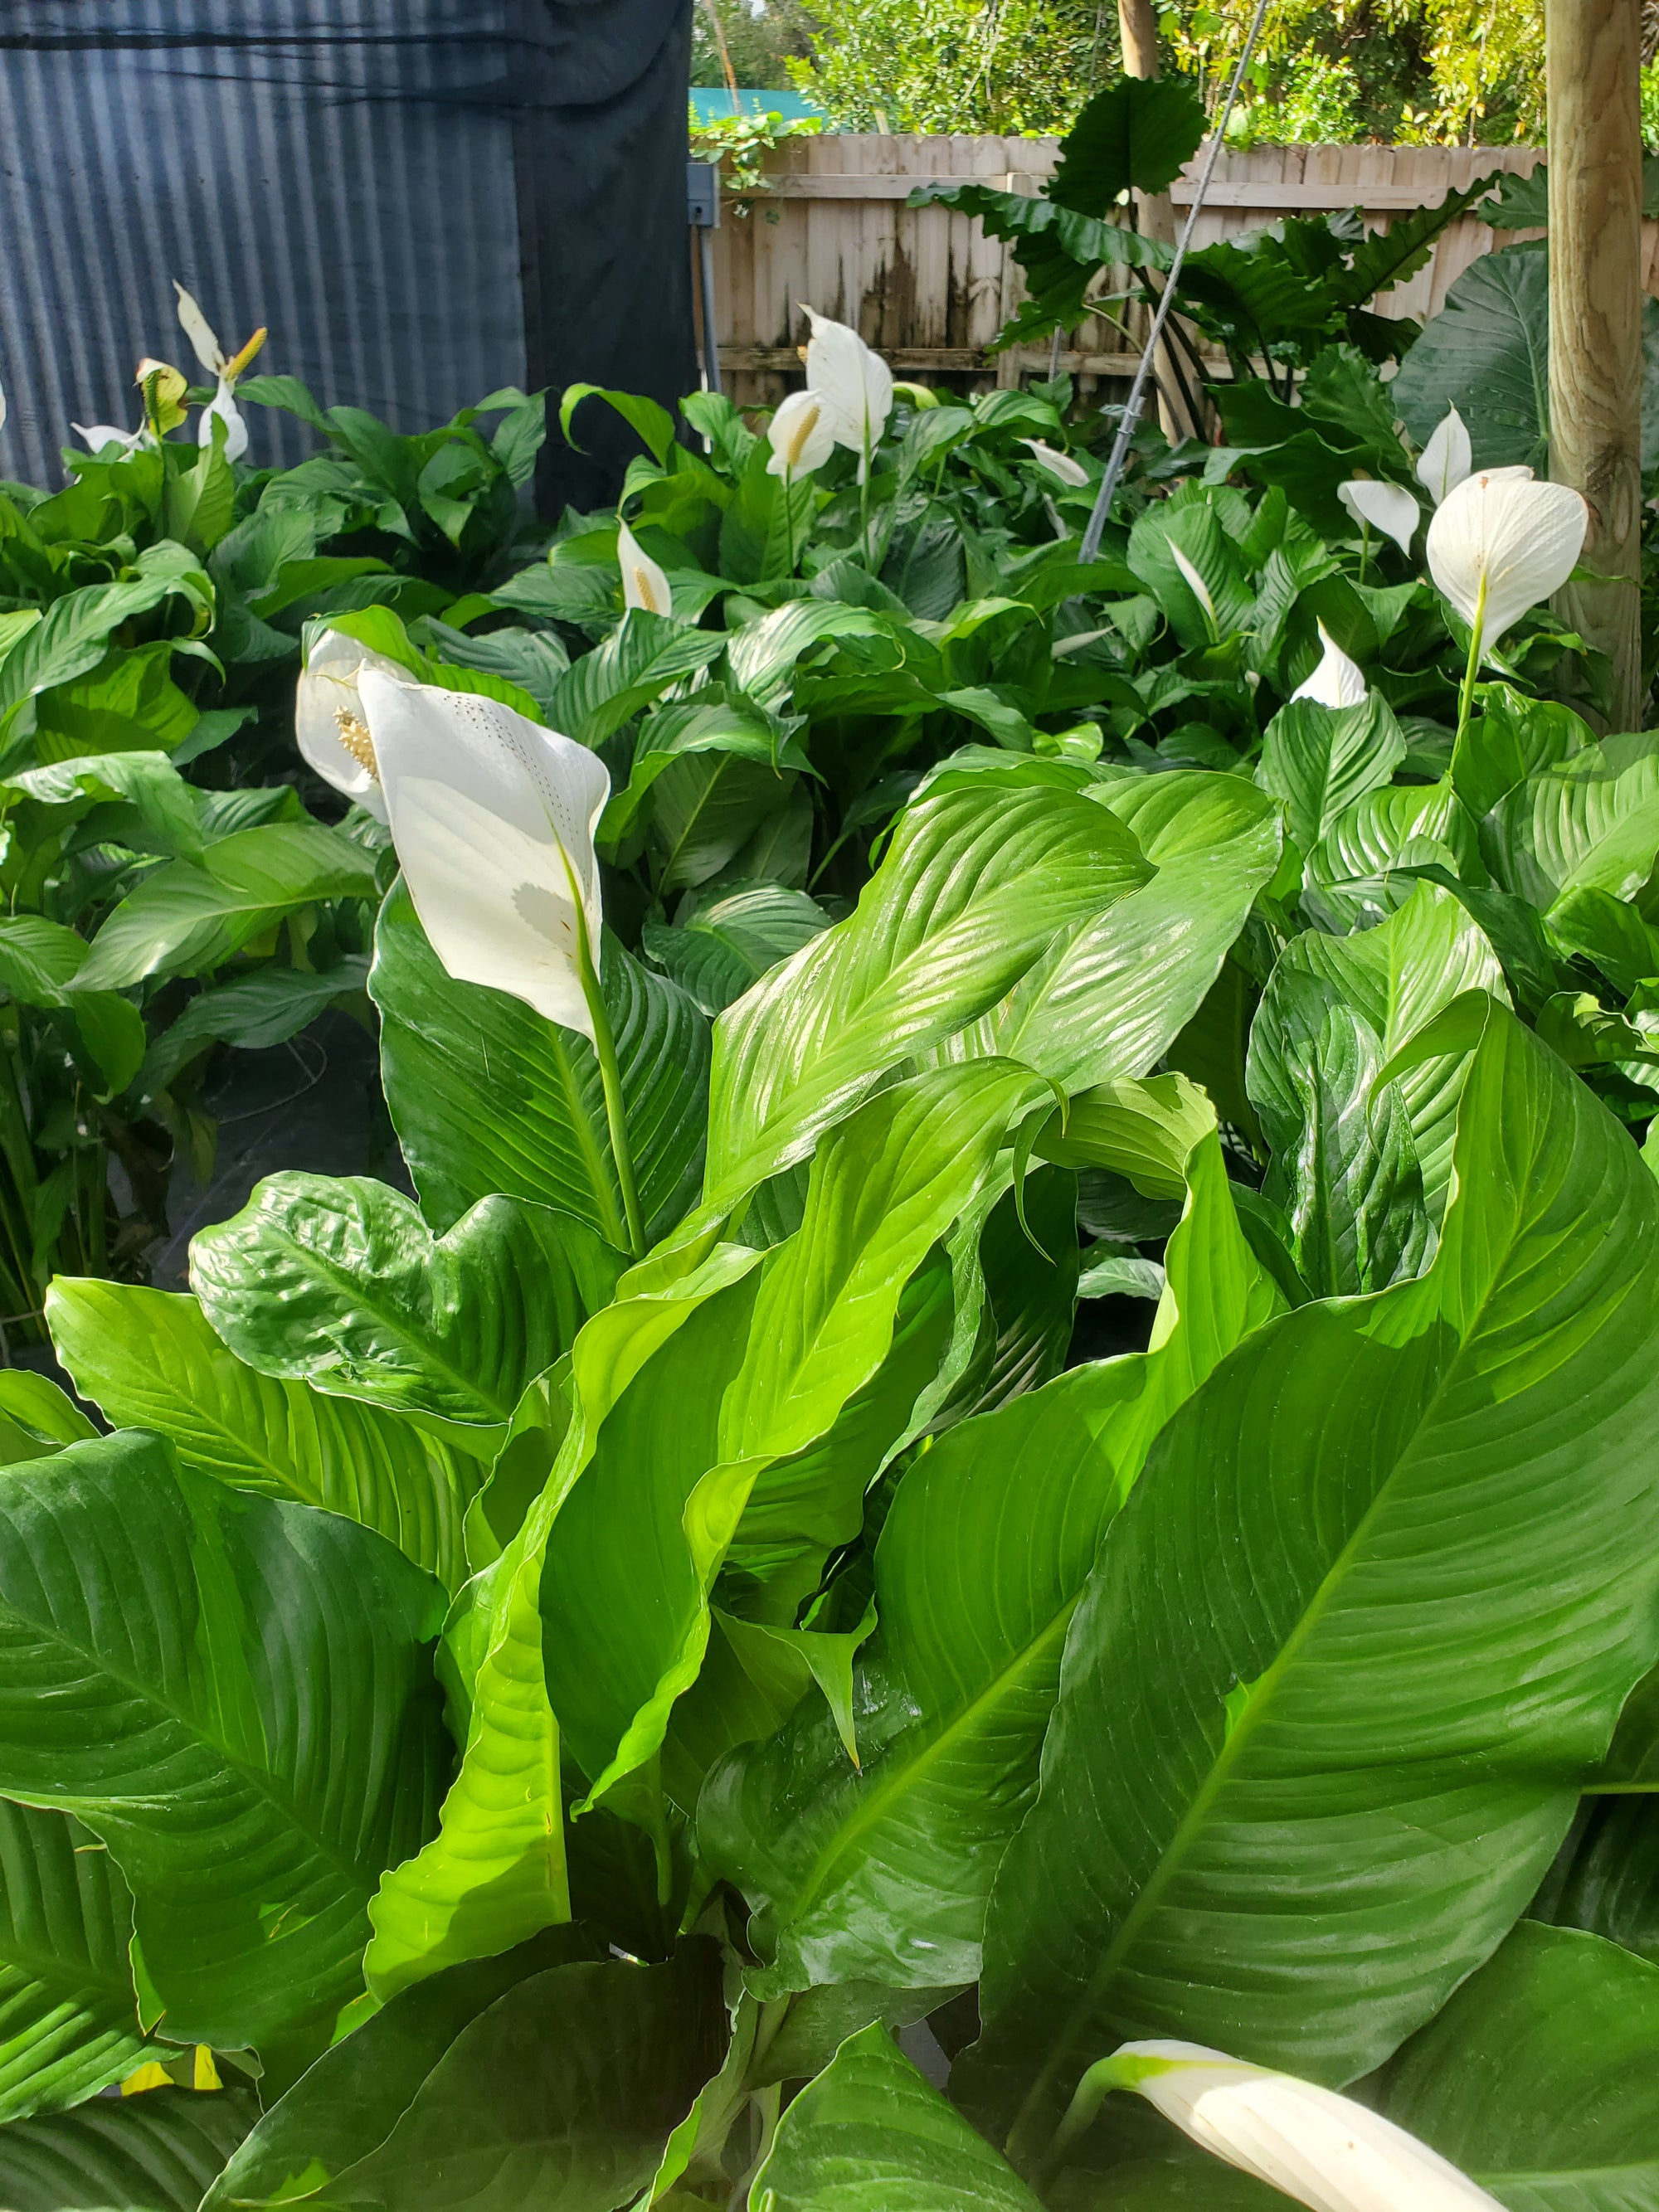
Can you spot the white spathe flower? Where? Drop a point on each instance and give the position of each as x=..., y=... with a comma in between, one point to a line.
x=1195, y=583
x=854, y=385
x=94, y=436
x=1326, y=2151
x=644, y=583
x=223, y=368
x=802, y=435
x=1447, y=458
x=328, y=725
x=1385, y=506
x=1337, y=681
x=494, y=819
x=1070, y=472
x=1500, y=543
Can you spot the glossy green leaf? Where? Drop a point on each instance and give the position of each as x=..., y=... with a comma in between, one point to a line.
x=564, y=2092
x=1361, y=1170
x=36, y=1417
x=1589, y=821
x=71, y=637
x=976, y=887
x=870, y=2134
x=68, y=2018
x=1540, y=2077
x=1378, y=1597
x=149, y=1360
x=270, y=1662
x=494, y=1873
x=1320, y=760
x=1138, y=131
x=1109, y=1000
x=156, y=2152
x=705, y=808
x=756, y=1376
x=730, y=941
x=488, y=1096
x=347, y=2103
x=883, y=1874
x=635, y=665
x=338, y=1282
x=190, y=915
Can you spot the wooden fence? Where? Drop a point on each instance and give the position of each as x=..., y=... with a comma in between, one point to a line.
x=925, y=285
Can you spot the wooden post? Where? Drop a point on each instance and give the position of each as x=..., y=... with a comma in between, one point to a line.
x=1136, y=28
x=1595, y=306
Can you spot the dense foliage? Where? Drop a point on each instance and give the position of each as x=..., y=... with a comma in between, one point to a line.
x=1017, y=1399
x=166, y=886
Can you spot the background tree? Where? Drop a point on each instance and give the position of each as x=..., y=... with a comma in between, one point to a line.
x=761, y=37
x=966, y=65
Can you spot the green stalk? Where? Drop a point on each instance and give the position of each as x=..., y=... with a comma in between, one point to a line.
x=604, y=1044
x=1364, y=550
x=864, y=496
x=1466, y=697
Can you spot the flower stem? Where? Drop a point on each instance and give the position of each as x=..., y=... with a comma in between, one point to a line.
x=604, y=1045
x=1364, y=550
x=864, y=497
x=1466, y=697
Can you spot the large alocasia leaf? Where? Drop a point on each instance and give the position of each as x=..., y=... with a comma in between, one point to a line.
x=1362, y=1173
x=1370, y=1613
x=564, y=2092
x=156, y=2152
x=976, y=887
x=488, y=1096
x=339, y=1282
x=69, y=2021
x=1540, y=2077
x=883, y=1873
x=870, y=2135
x=235, y=1697
x=150, y=1361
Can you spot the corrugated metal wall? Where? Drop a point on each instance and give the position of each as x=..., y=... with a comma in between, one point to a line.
x=341, y=170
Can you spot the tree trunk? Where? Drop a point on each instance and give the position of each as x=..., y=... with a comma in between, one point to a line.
x=1595, y=307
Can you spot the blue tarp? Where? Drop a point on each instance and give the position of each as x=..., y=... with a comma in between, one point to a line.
x=423, y=200
x=712, y=103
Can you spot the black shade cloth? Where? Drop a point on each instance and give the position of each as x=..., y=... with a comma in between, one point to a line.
x=423, y=200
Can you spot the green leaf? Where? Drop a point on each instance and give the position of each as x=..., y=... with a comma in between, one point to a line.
x=346, y=2104
x=976, y=886
x=69, y=2021
x=643, y=655
x=72, y=636
x=338, y=1282
x=1487, y=355
x=707, y=807
x=883, y=1874
x=494, y=1873
x=36, y=1417
x=1138, y=131
x=756, y=1376
x=487, y=1096
x=1194, y=529
x=870, y=2135
x=1111, y=994
x=1373, y=1605
x=654, y=424
x=564, y=2092
x=729, y=942
x=150, y=1361
x=269, y=1661
x=1589, y=821
x=38, y=959
x=1060, y=250
x=1358, y=872
x=1540, y=2077
x=1319, y=760
x=266, y=1008
x=166, y=809
x=156, y=2152
x=763, y=655
x=191, y=915
x=1361, y=1172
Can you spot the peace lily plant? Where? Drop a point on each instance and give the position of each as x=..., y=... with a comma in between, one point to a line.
x=1010, y=1419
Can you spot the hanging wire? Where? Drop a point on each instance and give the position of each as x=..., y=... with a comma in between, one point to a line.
x=1126, y=428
